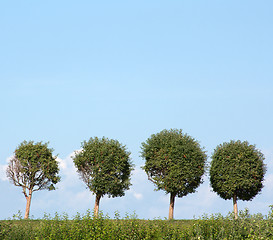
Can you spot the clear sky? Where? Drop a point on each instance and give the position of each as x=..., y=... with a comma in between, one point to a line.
x=71, y=70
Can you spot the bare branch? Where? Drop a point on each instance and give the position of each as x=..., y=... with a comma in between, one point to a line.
x=14, y=173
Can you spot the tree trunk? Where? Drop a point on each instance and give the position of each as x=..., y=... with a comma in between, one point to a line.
x=172, y=198
x=28, y=198
x=235, y=206
x=97, y=204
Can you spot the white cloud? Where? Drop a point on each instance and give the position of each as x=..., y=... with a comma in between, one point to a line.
x=268, y=183
x=138, y=196
x=62, y=163
x=3, y=176
x=3, y=169
x=139, y=183
x=268, y=153
x=68, y=172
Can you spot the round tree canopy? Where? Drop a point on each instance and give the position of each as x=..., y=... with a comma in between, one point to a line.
x=33, y=167
x=237, y=168
x=175, y=162
x=104, y=165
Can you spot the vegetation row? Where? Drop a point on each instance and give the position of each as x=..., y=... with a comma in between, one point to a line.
x=89, y=226
x=174, y=161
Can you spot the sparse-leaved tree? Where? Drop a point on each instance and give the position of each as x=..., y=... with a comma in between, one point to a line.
x=33, y=167
x=237, y=171
x=175, y=163
x=105, y=167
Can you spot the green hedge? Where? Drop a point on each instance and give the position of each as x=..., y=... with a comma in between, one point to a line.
x=88, y=227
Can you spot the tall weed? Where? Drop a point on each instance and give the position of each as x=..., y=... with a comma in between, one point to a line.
x=87, y=226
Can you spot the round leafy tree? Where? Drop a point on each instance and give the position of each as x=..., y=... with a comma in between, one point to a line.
x=237, y=171
x=174, y=162
x=33, y=167
x=105, y=167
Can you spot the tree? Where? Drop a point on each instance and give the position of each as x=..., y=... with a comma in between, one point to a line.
x=175, y=163
x=104, y=166
x=33, y=167
x=237, y=172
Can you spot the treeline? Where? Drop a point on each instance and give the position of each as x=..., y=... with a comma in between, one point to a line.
x=174, y=161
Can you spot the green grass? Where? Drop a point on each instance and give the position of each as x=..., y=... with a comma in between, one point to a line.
x=87, y=227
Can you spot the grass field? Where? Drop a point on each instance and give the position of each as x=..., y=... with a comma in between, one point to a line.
x=87, y=227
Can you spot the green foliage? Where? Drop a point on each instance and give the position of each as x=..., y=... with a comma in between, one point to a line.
x=33, y=167
x=17, y=216
x=237, y=168
x=87, y=226
x=105, y=166
x=175, y=162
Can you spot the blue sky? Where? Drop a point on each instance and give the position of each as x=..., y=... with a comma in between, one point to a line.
x=71, y=70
